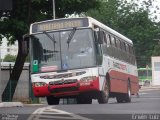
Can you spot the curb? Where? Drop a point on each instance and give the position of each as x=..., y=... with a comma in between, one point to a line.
x=11, y=104
x=35, y=104
x=150, y=88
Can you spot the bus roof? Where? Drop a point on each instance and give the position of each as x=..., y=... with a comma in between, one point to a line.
x=92, y=22
x=105, y=27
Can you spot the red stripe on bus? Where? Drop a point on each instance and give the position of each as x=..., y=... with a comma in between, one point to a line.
x=119, y=82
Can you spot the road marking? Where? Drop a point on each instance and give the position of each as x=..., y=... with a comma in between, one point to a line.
x=143, y=93
x=51, y=113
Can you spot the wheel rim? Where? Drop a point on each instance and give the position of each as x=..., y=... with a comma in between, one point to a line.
x=129, y=92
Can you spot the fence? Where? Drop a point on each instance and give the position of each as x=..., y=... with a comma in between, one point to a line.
x=23, y=92
x=23, y=89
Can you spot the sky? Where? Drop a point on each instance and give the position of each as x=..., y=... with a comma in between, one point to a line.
x=154, y=11
x=156, y=3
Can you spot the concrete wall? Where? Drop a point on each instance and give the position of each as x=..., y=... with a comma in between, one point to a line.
x=22, y=90
x=156, y=70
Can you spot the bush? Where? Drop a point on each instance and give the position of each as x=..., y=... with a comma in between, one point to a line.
x=9, y=58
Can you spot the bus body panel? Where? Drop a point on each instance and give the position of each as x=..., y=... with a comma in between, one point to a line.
x=119, y=73
x=65, y=89
x=119, y=82
x=85, y=80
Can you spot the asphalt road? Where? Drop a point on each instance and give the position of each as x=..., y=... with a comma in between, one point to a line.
x=146, y=107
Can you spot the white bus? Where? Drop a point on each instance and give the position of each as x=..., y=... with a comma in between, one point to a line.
x=83, y=59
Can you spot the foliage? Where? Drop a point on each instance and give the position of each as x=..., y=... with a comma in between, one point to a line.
x=133, y=21
x=9, y=58
x=14, y=24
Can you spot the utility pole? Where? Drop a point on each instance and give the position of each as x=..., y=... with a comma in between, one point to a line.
x=54, y=15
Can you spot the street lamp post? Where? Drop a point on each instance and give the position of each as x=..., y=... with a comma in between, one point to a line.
x=54, y=15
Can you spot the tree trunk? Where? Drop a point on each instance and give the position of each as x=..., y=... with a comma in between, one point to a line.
x=15, y=75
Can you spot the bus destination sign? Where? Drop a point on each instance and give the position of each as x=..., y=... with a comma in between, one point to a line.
x=59, y=24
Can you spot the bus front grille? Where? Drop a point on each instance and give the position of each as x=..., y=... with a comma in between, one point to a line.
x=62, y=82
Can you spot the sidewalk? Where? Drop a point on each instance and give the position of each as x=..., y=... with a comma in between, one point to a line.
x=11, y=104
x=146, y=88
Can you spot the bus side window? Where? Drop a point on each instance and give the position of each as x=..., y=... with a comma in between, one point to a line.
x=108, y=40
x=105, y=38
x=123, y=46
x=104, y=46
x=127, y=48
x=118, y=43
x=113, y=41
x=118, y=49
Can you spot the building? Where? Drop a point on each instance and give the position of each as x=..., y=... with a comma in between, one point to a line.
x=156, y=70
x=8, y=49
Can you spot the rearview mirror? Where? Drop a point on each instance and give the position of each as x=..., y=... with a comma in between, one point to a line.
x=25, y=44
x=100, y=37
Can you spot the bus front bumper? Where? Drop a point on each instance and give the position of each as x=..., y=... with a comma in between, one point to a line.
x=65, y=89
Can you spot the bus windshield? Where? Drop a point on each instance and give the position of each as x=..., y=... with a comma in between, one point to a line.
x=51, y=51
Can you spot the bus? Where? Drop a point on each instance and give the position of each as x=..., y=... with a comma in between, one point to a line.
x=145, y=76
x=81, y=58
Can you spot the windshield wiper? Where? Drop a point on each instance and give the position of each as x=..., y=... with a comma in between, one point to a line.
x=52, y=38
x=71, y=36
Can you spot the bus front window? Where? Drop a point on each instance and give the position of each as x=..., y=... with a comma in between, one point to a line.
x=61, y=55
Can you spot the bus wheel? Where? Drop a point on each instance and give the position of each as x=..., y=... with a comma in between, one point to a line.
x=52, y=100
x=104, y=95
x=120, y=98
x=128, y=95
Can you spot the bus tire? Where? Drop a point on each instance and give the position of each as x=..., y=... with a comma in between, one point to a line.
x=104, y=95
x=52, y=100
x=127, y=96
x=120, y=98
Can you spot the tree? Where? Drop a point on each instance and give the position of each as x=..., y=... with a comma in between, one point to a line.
x=9, y=58
x=133, y=21
x=14, y=24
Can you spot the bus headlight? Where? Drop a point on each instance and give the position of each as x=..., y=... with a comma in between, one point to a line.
x=38, y=84
x=88, y=79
